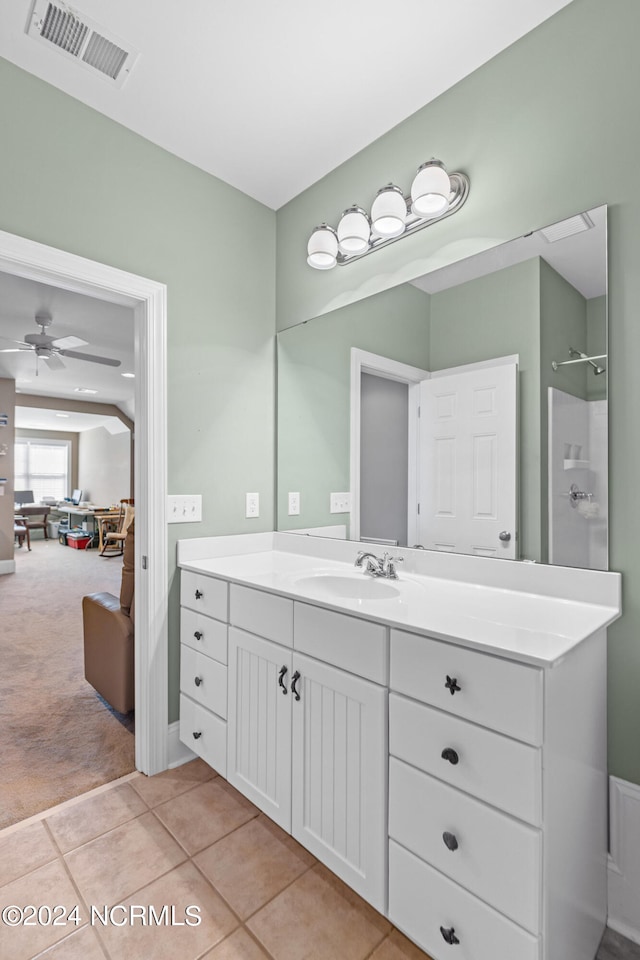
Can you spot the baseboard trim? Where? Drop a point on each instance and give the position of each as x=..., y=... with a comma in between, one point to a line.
x=7, y=566
x=178, y=753
x=624, y=858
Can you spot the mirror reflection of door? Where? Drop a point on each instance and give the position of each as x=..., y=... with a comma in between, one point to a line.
x=467, y=487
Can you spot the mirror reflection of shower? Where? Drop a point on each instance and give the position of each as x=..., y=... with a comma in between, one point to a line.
x=580, y=357
x=578, y=467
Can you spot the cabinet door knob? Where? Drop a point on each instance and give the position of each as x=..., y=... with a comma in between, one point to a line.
x=449, y=935
x=294, y=680
x=197, y=734
x=281, y=676
x=198, y=635
x=199, y=594
x=450, y=754
x=452, y=685
x=197, y=681
x=450, y=840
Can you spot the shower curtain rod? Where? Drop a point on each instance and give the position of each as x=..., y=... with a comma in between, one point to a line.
x=565, y=363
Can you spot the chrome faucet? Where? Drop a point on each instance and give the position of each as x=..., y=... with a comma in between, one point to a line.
x=379, y=567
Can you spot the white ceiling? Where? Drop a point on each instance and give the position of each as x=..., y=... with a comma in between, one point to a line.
x=31, y=418
x=581, y=259
x=271, y=96
x=107, y=327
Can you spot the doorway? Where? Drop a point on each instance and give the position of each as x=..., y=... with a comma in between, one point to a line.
x=35, y=261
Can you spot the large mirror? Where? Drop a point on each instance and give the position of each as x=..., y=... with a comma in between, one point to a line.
x=465, y=411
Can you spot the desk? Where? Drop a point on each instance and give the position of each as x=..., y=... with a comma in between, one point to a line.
x=79, y=516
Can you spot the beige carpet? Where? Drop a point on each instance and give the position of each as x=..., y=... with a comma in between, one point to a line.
x=58, y=738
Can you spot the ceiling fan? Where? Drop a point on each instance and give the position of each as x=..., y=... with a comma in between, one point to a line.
x=50, y=349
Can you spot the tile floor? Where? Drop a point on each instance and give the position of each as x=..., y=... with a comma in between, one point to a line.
x=182, y=838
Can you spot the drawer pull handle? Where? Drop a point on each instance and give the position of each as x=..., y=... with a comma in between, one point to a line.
x=452, y=685
x=449, y=935
x=197, y=681
x=198, y=635
x=294, y=680
x=450, y=754
x=281, y=676
x=450, y=841
x=199, y=594
x=197, y=734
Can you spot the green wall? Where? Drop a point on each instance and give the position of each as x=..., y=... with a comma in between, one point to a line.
x=71, y=178
x=523, y=128
x=314, y=376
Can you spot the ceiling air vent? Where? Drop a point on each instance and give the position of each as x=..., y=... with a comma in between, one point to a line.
x=567, y=228
x=82, y=40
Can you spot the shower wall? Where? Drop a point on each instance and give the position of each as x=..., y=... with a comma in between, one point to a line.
x=577, y=455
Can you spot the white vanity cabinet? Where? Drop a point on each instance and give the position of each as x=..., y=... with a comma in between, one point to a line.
x=203, y=667
x=497, y=787
x=457, y=782
x=306, y=739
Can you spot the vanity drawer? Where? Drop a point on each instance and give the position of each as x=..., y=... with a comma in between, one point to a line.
x=504, y=772
x=204, y=594
x=204, y=634
x=261, y=613
x=204, y=679
x=496, y=693
x=423, y=903
x=495, y=857
x=204, y=733
x=358, y=646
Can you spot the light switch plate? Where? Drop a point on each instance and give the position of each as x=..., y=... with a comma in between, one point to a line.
x=252, y=505
x=184, y=508
x=294, y=504
x=340, y=503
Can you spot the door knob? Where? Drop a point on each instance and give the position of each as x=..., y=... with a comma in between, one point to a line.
x=450, y=754
x=505, y=536
x=197, y=681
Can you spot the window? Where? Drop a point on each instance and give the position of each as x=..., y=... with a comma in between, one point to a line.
x=42, y=466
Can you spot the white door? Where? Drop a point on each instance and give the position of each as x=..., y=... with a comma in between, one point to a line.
x=339, y=774
x=468, y=462
x=259, y=723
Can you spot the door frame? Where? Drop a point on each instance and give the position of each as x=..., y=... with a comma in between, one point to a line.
x=148, y=298
x=364, y=362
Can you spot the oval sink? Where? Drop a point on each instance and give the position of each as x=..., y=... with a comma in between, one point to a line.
x=350, y=588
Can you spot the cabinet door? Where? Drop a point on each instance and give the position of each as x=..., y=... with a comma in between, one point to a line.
x=259, y=723
x=339, y=774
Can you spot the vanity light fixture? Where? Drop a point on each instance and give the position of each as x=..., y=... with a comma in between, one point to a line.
x=435, y=194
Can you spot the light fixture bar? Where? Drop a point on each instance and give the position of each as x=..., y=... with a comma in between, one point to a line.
x=356, y=236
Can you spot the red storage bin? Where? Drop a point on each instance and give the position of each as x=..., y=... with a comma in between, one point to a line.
x=78, y=543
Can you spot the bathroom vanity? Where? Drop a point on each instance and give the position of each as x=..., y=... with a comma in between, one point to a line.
x=438, y=741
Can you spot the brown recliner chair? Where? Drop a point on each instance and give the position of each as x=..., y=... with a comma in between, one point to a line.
x=108, y=637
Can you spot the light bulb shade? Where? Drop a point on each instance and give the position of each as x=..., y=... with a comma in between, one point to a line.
x=430, y=190
x=389, y=211
x=354, y=231
x=322, y=249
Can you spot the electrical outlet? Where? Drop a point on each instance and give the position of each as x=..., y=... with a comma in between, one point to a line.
x=294, y=504
x=340, y=503
x=184, y=508
x=252, y=505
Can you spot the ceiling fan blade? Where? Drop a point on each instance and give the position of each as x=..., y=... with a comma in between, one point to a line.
x=54, y=362
x=19, y=342
x=107, y=361
x=70, y=343
x=15, y=349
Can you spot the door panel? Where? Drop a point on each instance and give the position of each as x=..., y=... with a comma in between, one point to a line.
x=339, y=774
x=259, y=724
x=468, y=462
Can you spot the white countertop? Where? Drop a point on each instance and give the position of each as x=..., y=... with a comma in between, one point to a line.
x=521, y=624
